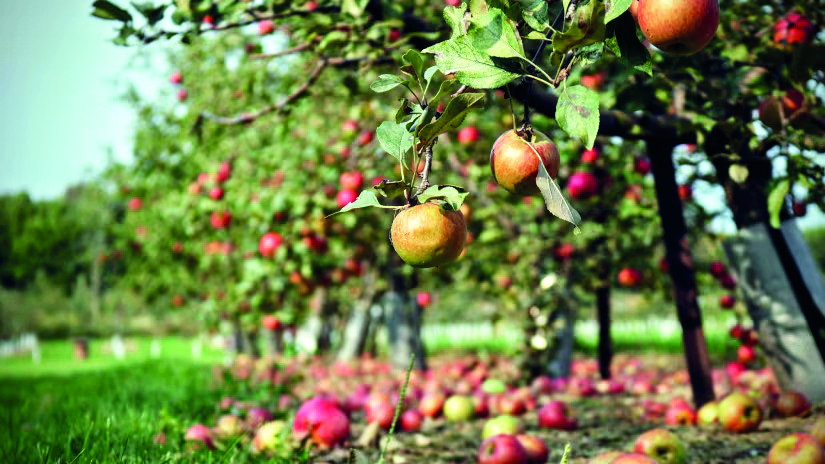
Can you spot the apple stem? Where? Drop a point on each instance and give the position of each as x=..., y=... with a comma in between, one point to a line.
x=425, y=175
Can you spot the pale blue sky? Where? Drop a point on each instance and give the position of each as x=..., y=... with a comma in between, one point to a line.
x=60, y=78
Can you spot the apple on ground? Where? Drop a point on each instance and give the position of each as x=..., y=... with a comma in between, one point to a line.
x=321, y=421
x=791, y=403
x=431, y=404
x=557, y=415
x=269, y=436
x=459, y=408
x=797, y=448
x=228, y=426
x=537, y=451
x=708, y=414
x=380, y=412
x=680, y=416
x=818, y=429
x=411, y=420
x=739, y=413
x=662, y=445
x=504, y=424
x=605, y=457
x=634, y=458
x=255, y=417
x=502, y=449
x=199, y=436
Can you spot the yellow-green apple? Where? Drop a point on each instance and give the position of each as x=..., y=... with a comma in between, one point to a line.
x=428, y=235
x=708, y=414
x=507, y=425
x=459, y=408
x=515, y=161
x=228, y=426
x=739, y=413
x=678, y=27
x=269, y=436
x=797, y=448
x=502, y=449
x=661, y=445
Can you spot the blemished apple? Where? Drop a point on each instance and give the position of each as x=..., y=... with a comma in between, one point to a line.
x=506, y=425
x=428, y=235
x=739, y=413
x=459, y=408
x=797, y=448
x=678, y=27
x=537, y=451
x=582, y=185
x=411, y=421
x=200, y=436
x=791, y=403
x=502, y=449
x=680, y=415
x=269, y=243
x=269, y=436
x=662, y=445
x=515, y=161
x=708, y=414
x=468, y=135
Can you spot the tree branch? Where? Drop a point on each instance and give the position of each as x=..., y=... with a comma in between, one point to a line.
x=288, y=51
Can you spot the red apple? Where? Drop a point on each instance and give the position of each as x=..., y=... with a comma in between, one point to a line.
x=176, y=78
x=365, y=138
x=271, y=322
x=563, y=251
x=455, y=3
x=634, y=458
x=582, y=185
x=265, y=27
x=351, y=180
x=345, y=197
x=629, y=277
x=411, y=421
x=502, y=449
x=661, y=445
x=424, y=299
x=200, y=436
x=557, y=415
x=727, y=301
x=797, y=448
x=800, y=208
x=515, y=161
x=216, y=193
x=746, y=354
x=221, y=220
x=255, y=417
x=349, y=126
x=641, y=165
x=135, y=204
x=679, y=27
x=537, y=451
x=718, y=270
x=381, y=412
x=728, y=282
x=224, y=171
x=182, y=95
x=791, y=403
x=468, y=135
x=322, y=422
x=685, y=192
x=269, y=243
x=739, y=413
x=792, y=30
x=590, y=156
x=680, y=416
x=594, y=82
x=431, y=404
x=608, y=456
x=510, y=405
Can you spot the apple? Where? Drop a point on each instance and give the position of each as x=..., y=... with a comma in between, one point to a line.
x=537, y=451
x=634, y=458
x=818, y=429
x=739, y=413
x=708, y=414
x=634, y=9
x=606, y=457
x=594, y=82
x=685, y=192
x=502, y=425
x=797, y=448
x=431, y=404
x=515, y=161
x=641, y=165
x=182, y=95
x=345, y=197
x=228, y=426
x=563, y=251
x=454, y=3
x=269, y=436
x=493, y=386
x=176, y=78
x=459, y=408
x=255, y=417
x=365, y=138
x=224, y=171
x=312, y=5
x=718, y=270
x=661, y=445
x=746, y=354
x=793, y=29
x=394, y=35
x=791, y=403
x=221, y=220
x=582, y=185
x=678, y=27
x=265, y=27
x=728, y=282
x=428, y=235
x=424, y=299
x=468, y=135
x=177, y=300
x=510, y=405
x=680, y=415
x=502, y=449
x=322, y=422
x=271, y=323
x=216, y=193
x=381, y=412
x=351, y=180
x=200, y=436
x=269, y=243
x=135, y=204
x=629, y=277
x=800, y=208
x=350, y=126
x=557, y=415
x=727, y=301
x=411, y=421
x=750, y=337
x=590, y=156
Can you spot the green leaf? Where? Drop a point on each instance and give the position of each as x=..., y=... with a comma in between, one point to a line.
x=428, y=77
x=354, y=8
x=365, y=199
x=553, y=198
x=412, y=58
x=535, y=14
x=623, y=42
x=471, y=66
x=452, y=117
x=444, y=89
x=577, y=113
x=614, y=8
x=587, y=27
x=453, y=195
x=454, y=17
x=496, y=35
x=385, y=83
x=394, y=139
x=391, y=188
x=107, y=10
x=332, y=38
x=149, y=11
x=776, y=201
x=535, y=35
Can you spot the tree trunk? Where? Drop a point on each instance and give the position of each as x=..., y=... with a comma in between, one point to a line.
x=605, y=350
x=355, y=334
x=274, y=341
x=403, y=329
x=782, y=288
x=680, y=264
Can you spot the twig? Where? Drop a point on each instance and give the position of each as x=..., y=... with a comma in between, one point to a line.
x=425, y=175
x=288, y=51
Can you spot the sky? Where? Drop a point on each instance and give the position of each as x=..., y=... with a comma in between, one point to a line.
x=60, y=118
